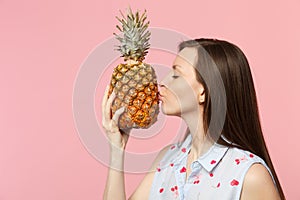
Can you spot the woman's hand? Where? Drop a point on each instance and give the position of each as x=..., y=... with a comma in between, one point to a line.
x=115, y=184
x=117, y=138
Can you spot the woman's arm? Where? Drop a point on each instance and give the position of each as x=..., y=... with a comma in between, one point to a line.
x=258, y=185
x=143, y=190
x=115, y=187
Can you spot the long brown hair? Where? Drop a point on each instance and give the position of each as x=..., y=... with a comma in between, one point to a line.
x=242, y=123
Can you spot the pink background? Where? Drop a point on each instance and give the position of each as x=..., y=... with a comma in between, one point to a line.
x=43, y=43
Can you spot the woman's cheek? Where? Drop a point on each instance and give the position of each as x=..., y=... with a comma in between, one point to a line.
x=171, y=106
x=187, y=99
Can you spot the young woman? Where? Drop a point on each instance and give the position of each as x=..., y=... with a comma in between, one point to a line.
x=223, y=154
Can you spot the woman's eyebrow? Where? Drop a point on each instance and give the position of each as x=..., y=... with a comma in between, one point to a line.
x=176, y=67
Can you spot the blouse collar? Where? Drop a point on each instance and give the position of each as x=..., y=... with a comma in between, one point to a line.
x=209, y=160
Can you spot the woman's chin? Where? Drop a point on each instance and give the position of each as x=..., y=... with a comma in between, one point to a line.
x=164, y=111
x=168, y=112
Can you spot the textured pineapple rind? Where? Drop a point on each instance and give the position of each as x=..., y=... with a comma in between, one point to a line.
x=136, y=89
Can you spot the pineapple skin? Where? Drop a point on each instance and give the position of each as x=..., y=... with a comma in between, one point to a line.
x=135, y=86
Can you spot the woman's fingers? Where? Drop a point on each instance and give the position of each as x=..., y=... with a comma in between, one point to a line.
x=110, y=123
x=105, y=97
x=104, y=102
x=107, y=107
x=117, y=115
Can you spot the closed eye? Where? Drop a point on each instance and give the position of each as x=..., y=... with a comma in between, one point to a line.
x=174, y=76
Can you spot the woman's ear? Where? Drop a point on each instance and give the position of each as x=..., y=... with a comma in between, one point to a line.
x=201, y=96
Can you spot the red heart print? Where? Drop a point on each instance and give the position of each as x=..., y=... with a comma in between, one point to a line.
x=172, y=164
x=172, y=189
x=183, y=169
x=175, y=187
x=196, y=182
x=234, y=182
x=172, y=147
x=183, y=150
x=161, y=190
x=218, y=185
x=237, y=161
x=158, y=169
x=211, y=174
x=213, y=162
x=251, y=155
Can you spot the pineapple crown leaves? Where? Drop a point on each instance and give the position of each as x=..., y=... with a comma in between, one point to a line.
x=135, y=36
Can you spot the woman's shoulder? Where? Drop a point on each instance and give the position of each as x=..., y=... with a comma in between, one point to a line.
x=244, y=159
x=161, y=155
x=258, y=182
x=170, y=154
x=257, y=176
x=246, y=155
x=249, y=162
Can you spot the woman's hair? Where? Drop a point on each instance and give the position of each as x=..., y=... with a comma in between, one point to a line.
x=241, y=118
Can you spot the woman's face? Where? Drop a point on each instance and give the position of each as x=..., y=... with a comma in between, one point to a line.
x=180, y=91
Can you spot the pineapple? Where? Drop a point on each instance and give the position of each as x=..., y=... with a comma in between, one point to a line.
x=134, y=82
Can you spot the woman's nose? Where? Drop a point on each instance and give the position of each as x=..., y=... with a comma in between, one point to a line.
x=162, y=86
x=161, y=83
x=164, y=81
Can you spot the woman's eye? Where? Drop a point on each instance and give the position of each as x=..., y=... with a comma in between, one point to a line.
x=174, y=76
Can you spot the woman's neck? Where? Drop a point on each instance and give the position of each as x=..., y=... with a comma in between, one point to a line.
x=200, y=141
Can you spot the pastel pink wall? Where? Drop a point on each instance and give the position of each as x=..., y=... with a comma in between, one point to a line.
x=43, y=44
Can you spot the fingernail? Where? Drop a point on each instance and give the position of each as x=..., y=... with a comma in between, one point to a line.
x=122, y=109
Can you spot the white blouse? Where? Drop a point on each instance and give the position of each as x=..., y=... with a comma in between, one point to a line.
x=218, y=174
